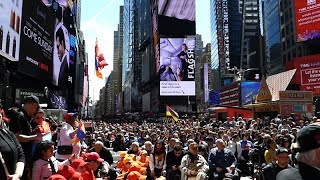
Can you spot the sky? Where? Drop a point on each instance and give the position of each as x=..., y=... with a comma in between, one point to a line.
x=99, y=20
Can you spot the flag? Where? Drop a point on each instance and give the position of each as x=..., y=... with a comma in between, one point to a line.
x=172, y=113
x=100, y=62
x=81, y=134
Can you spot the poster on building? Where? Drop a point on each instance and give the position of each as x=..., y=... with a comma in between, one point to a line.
x=10, y=28
x=36, y=46
x=177, y=66
x=307, y=17
x=177, y=17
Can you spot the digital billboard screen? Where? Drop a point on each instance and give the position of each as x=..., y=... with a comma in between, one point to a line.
x=307, y=17
x=307, y=74
x=10, y=23
x=177, y=67
x=36, y=41
x=61, y=58
x=249, y=91
x=177, y=17
x=57, y=100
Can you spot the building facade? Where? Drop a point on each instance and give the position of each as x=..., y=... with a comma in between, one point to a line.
x=226, y=24
x=272, y=36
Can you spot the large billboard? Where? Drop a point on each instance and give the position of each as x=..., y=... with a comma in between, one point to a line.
x=249, y=92
x=177, y=66
x=61, y=59
x=176, y=17
x=307, y=75
x=10, y=23
x=36, y=46
x=307, y=16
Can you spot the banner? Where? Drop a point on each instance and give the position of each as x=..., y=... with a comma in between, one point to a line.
x=177, y=66
x=37, y=35
x=10, y=29
x=307, y=17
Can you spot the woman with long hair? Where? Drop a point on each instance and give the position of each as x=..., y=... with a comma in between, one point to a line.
x=158, y=159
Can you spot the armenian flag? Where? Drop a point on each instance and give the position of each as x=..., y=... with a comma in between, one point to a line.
x=172, y=113
x=100, y=62
x=81, y=134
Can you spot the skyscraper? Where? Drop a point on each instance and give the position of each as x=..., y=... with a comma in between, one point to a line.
x=131, y=62
x=119, y=94
x=226, y=24
x=272, y=36
x=251, y=36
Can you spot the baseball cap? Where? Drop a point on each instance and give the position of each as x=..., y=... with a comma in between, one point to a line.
x=309, y=137
x=282, y=150
x=123, y=154
x=68, y=172
x=143, y=152
x=92, y=156
x=68, y=116
x=127, y=160
x=56, y=177
x=75, y=163
x=135, y=143
x=31, y=99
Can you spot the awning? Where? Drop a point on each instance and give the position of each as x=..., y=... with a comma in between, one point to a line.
x=279, y=82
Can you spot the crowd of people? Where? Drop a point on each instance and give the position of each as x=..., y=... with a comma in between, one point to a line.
x=36, y=147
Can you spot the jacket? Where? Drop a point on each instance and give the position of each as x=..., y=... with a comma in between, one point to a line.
x=186, y=165
x=304, y=172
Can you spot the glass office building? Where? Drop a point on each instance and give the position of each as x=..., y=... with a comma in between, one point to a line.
x=272, y=36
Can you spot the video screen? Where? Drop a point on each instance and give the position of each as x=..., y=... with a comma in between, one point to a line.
x=176, y=17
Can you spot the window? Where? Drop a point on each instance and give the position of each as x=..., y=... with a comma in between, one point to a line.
x=292, y=40
x=294, y=53
x=286, y=16
x=284, y=59
x=288, y=43
x=283, y=46
x=289, y=56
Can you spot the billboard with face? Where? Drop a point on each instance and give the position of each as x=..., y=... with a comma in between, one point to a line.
x=307, y=17
x=61, y=60
x=176, y=17
x=10, y=23
x=177, y=67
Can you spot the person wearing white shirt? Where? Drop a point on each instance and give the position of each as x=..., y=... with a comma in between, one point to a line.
x=235, y=146
x=66, y=145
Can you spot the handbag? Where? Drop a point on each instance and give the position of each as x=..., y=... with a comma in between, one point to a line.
x=65, y=150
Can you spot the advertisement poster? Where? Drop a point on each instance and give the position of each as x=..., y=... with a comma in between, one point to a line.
x=10, y=28
x=177, y=66
x=61, y=59
x=249, y=92
x=307, y=75
x=37, y=35
x=177, y=17
x=307, y=18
